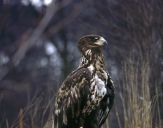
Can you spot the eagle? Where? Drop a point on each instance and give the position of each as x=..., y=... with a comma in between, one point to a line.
x=86, y=96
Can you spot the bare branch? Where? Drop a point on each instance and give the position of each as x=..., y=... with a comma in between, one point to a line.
x=51, y=10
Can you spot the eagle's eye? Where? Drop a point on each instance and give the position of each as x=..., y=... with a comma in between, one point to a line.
x=94, y=39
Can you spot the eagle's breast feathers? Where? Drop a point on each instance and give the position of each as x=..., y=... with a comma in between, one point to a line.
x=97, y=90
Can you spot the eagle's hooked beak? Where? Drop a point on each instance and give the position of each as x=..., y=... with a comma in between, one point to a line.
x=101, y=41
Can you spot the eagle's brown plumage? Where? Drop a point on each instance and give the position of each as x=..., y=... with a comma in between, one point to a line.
x=87, y=94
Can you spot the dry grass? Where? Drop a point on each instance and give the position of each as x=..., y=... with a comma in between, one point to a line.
x=137, y=102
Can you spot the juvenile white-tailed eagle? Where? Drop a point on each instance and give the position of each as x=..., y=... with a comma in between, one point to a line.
x=87, y=94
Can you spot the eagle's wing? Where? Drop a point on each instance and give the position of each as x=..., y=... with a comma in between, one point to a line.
x=72, y=96
x=107, y=102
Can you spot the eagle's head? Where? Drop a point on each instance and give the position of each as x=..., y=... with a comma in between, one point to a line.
x=91, y=42
x=91, y=49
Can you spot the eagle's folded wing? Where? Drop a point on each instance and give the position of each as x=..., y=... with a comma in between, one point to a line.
x=72, y=95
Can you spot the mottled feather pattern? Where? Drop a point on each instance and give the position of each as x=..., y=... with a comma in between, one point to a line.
x=70, y=95
x=71, y=87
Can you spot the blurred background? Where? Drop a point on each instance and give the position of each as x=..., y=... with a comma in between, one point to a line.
x=38, y=49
